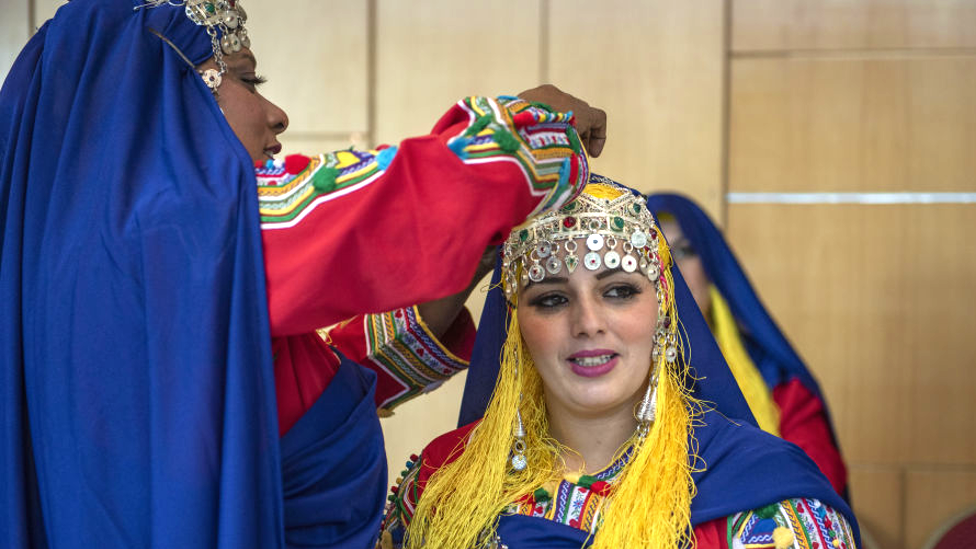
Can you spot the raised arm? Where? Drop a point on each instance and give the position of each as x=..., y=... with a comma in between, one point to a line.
x=354, y=232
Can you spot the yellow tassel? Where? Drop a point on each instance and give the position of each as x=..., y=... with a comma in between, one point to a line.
x=746, y=374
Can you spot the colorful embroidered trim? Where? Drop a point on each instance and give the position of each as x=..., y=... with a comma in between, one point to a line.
x=401, y=344
x=285, y=197
x=402, y=501
x=795, y=524
x=541, y=142
x=577, y=502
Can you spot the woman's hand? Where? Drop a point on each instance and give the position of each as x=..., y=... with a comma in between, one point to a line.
x=591, y=122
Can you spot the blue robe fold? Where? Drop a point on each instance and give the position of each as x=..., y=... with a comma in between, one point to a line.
x=334, y=466
x=138, y=405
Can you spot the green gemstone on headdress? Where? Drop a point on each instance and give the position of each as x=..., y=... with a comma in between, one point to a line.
x=618, y=223
x=571, y=262
x=211, y=9
x=523, y=235
x=636, y=208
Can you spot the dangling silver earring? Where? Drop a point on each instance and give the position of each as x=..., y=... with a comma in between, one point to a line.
x=647, y=410
x=518, y=449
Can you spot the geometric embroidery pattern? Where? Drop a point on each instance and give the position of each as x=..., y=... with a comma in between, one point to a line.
x=399, y=343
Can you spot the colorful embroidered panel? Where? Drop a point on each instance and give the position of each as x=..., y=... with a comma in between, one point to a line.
x=541, y=141
x=289, y=189
x=402, y=347
x=793, y=524
x=577, y=501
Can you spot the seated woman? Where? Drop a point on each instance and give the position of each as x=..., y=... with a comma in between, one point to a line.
x=782, y=393
x=599, y=433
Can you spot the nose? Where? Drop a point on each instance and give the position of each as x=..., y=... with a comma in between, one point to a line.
x=588, y=318
x=277, y=118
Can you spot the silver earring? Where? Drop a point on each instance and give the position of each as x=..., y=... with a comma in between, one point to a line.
x=647, y=410
x=518, y=449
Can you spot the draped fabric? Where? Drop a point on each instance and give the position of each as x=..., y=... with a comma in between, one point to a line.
x=334, y=465
x=745, y=468
x=771, y=352
x=136, y=381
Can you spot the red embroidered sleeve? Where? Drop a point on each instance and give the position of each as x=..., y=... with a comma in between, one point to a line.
x=363, y=232
x=407, y=358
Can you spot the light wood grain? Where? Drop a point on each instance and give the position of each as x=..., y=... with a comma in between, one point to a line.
x=45, y=9
x=763, y=25
x=13, y=33
x=312, y=145
x=878, y=300
x=878, y=493
x=656, y=67
x=853, y=124
x=314, y=56
x=934, y=496
x=432, y=53
x=415, y=423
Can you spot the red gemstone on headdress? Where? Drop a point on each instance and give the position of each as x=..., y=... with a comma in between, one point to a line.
x=569, y=222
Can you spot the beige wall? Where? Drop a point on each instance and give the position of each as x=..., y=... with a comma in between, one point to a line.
x=868, y=96
x=709, y=97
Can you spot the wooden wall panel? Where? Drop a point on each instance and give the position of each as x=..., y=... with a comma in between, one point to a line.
x=934, y=496
x=879, y=302
x=315, y=145
x=763, y=25
x=44, y=10
x=657, y=68
x=315, y=62
x=878, y=503
x=430, y=54
x=13, y=32
x=812, y=124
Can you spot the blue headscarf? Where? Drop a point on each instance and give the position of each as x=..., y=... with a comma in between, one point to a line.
x=746, y=468
x=136, y=382
x=767, y=346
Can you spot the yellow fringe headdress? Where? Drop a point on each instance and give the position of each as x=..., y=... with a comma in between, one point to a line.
x=650, y=502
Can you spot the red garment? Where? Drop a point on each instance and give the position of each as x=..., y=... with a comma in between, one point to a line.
x=803, y=422
x=712, y=534
x=338, y=243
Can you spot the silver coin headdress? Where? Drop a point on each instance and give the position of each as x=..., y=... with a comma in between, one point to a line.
x=613, y=225
x=224, y=21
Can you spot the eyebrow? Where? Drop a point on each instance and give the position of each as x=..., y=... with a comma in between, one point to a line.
x=610, y=272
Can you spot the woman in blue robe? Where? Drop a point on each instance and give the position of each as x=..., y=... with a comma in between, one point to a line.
x=137, y=382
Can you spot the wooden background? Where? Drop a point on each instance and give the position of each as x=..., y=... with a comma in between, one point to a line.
x=711, y=97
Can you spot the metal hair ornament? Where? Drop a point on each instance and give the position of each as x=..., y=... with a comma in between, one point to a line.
x=617, y=232
x=224, y=21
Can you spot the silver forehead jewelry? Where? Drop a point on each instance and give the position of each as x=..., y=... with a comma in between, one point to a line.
x=617, y=232
x=224, y=21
